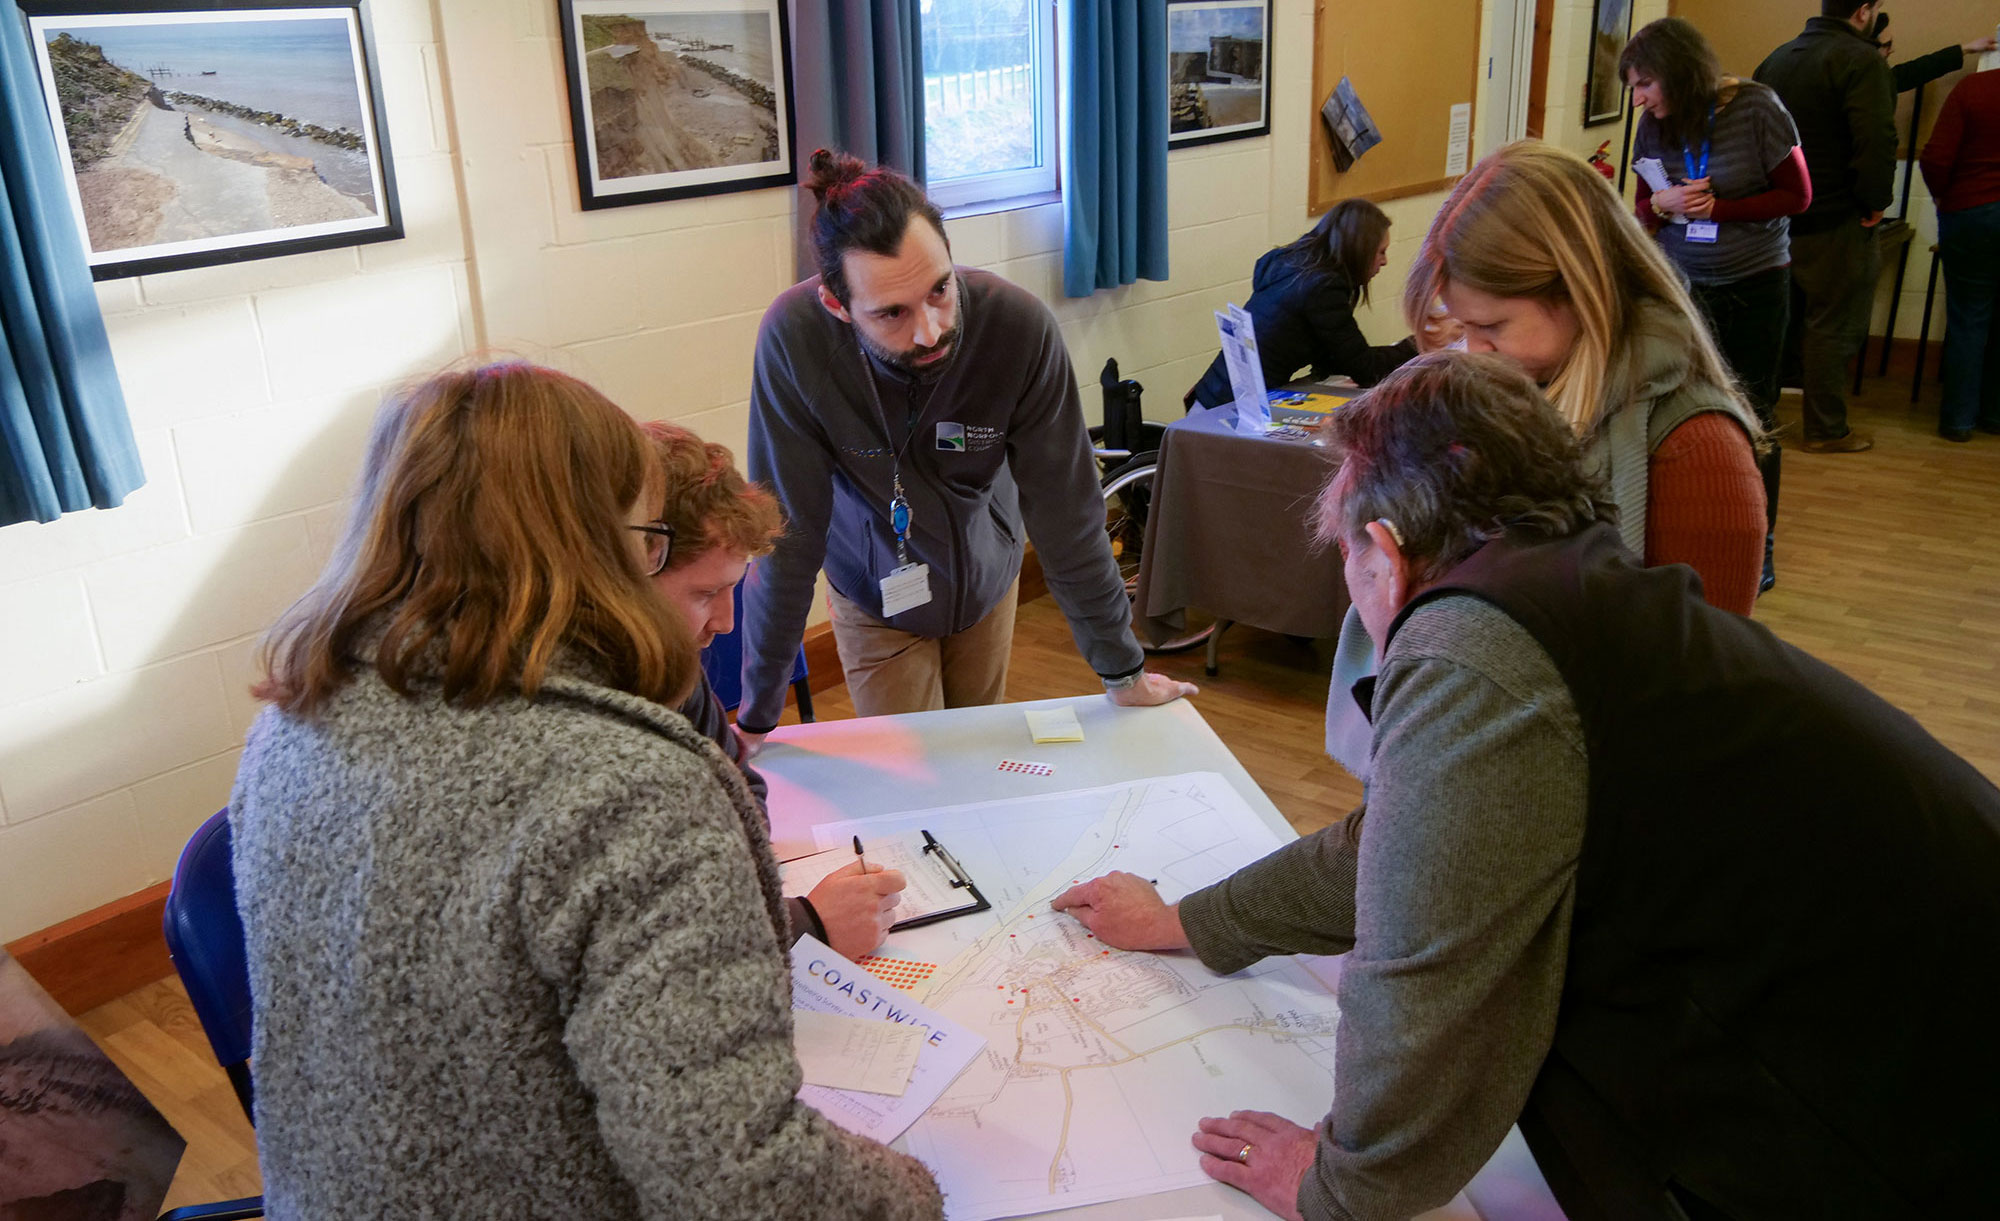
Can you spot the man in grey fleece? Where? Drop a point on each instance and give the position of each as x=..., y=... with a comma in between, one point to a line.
x=1705, y=917
x=915, y=420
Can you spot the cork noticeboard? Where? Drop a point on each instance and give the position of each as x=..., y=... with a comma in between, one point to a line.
x=1411, y=61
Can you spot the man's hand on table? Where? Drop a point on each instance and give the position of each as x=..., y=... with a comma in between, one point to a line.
x=1279, y=1152
x=855, y=907
x=752, y=742
x=1124, y=912
x=1151, y=689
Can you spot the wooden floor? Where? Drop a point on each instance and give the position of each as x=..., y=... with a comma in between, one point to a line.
x=1888, y=567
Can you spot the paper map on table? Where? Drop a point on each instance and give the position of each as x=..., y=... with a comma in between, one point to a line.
x=1098, y=1062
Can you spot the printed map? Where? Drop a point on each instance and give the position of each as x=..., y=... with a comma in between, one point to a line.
x=1099, y=1062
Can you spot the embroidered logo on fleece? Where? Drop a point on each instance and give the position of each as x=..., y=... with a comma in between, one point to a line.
x=966, y=438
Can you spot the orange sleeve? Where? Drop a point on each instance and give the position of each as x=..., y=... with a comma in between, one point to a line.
x=1705, y=509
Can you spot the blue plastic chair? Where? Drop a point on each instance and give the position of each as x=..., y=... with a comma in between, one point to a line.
x=205, y=940
x=722, y=660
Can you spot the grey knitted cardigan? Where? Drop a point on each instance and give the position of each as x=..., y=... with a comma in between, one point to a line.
x=526, y=960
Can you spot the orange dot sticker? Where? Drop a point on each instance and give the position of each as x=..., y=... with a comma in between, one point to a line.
x=901, y=973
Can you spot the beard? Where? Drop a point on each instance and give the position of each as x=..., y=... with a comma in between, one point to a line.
x=905, y=361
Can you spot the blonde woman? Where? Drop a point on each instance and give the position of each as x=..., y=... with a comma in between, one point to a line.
x=1537, y=258
x=515, y=937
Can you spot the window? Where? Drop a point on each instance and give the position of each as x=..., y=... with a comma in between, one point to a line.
x=989, y=99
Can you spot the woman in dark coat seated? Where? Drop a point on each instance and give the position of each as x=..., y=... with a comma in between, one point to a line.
x=1302, y=299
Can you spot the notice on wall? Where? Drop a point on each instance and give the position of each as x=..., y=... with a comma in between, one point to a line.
x=1458, y=144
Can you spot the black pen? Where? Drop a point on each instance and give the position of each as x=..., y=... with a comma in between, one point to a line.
x=858, y=856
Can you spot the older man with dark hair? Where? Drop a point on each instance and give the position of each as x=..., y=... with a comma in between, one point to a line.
x=1709, y=920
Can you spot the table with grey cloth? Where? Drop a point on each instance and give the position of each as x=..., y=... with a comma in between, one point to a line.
x=1229, y=531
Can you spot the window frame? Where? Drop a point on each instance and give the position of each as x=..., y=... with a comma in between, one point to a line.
x=1034, y=184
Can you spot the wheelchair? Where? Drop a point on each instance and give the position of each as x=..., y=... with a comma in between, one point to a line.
x=1127, y=448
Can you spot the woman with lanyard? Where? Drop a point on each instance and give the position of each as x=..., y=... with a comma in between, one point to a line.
x=1737, y=174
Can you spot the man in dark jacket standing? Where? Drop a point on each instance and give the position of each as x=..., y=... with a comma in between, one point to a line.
x=1842, y=96
x=915, y=420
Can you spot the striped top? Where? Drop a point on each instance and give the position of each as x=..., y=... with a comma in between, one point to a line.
x=1753, y=136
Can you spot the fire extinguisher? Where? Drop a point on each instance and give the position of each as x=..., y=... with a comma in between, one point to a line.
x=1601, y=160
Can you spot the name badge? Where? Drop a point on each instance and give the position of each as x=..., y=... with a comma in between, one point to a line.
x=905, y=589
x=1702, y=230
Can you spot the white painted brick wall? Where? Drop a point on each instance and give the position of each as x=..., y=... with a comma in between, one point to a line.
x=127, y=635
x=131, y=633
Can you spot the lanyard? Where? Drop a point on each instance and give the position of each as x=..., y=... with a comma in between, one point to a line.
x=1699, y=170
x=899, y=505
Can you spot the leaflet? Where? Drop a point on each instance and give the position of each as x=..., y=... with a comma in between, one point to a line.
x=825, y=982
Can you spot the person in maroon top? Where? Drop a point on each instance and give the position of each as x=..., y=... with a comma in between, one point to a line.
x=1962, y=168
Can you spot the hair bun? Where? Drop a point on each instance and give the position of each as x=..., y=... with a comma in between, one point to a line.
x=826, y=170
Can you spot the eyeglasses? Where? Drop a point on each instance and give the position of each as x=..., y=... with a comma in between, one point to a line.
x=659, y=545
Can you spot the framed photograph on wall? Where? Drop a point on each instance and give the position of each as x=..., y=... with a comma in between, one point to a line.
x=1218, y=70
x=194, y=134
x=1603, y=91
x=675, y=98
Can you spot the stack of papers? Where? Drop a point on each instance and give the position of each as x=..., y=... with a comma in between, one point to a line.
x=1054, y=724
x=826, y=984
x=845, y=1053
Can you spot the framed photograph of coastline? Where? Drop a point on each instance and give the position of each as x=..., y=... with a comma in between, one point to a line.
x=670, y=99
x=1218, y=71
x=195, y=134
x=1603, y=91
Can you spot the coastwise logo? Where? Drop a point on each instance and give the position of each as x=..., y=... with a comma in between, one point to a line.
x=966, y=438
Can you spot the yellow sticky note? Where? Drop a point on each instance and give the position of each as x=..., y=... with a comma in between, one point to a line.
x=1054, y=725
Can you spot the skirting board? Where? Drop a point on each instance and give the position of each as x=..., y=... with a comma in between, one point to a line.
x=100, y=955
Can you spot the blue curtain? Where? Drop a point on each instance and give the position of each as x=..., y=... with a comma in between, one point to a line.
x=857, y=86
x=1115, y=168
x=67, y=440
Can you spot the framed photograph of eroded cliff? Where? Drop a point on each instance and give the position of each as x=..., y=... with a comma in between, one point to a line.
x=675, y=98
x=200, y=133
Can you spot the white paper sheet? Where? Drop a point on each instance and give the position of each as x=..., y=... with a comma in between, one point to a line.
x=1101, y=1062
x=825, y=982
x=844, y=1053
x=1458, y=144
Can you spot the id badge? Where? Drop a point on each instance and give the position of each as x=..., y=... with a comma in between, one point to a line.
x=1702, y=230
x=907, y=588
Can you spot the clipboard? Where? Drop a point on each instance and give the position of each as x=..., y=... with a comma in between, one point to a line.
x=957, y=879
x=938, y=886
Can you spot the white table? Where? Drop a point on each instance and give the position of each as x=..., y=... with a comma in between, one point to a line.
x=833, y=770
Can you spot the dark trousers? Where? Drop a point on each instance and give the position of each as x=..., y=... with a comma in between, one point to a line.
x=1969, y=243
x=1747, y=318
x=1836, y=272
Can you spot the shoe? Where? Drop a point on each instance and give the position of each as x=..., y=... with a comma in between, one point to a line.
x=1988, y=428
x=1849, y=442
x=1960, y=435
